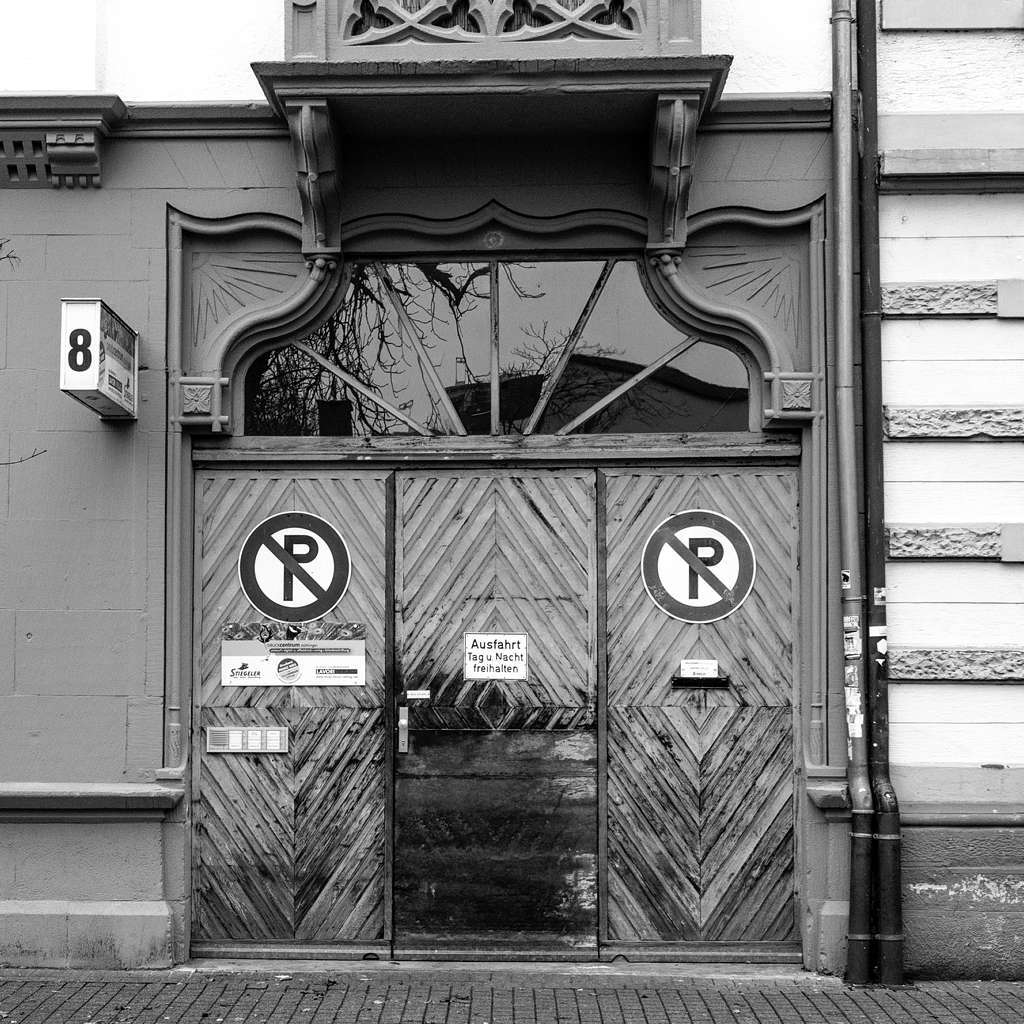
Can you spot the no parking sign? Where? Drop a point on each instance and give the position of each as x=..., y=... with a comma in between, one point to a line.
x=294, y=567
x=698, y=566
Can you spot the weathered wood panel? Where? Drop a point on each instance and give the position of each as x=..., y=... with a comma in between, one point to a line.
x=291, y=847
x=244, y=836
x=754, y=647
x=233, y=504
x=339, y=787
x=496, y=825
x=654, y=818
x=700, y=781
x=230, y=507
x=498, y=553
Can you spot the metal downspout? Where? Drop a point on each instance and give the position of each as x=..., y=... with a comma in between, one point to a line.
x=888, y=881
x=858, y=955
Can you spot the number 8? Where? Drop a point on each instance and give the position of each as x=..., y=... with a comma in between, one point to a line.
x=79, y=356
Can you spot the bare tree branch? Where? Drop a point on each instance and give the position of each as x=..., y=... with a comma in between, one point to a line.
x=25, y=458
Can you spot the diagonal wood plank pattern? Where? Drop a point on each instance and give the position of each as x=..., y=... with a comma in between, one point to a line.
x=244, y=837
x=291, y=846
x=700, y=782
x=231, y=505
x=491, y=552
x=338, y=759
x=755, y=645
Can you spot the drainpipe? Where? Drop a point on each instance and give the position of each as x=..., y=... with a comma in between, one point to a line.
x=888, y=882
x=858, y=954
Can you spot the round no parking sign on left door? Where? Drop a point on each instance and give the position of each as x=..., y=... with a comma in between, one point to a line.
x=294, y=567
x=698, y=566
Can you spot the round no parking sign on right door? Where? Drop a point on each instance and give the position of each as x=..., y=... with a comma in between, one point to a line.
x=698, y=566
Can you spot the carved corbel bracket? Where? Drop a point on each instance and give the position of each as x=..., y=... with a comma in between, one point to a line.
x=55, y=141
x=317, y=177
x=791, y=396
x=74, y=158
x=200, y=402
x=673, y=151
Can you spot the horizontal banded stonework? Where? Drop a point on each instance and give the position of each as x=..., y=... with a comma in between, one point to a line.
x=976, y=541
x=956, y=663
x=941, y=298
x=941, y=421
x=947, y=15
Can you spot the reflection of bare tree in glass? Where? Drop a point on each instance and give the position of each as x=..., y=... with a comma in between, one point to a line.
x=286, y=390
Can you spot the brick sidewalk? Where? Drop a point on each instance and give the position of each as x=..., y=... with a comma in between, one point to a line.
x=455, y=997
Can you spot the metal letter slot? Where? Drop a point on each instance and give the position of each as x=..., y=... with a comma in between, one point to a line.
x=403, y=730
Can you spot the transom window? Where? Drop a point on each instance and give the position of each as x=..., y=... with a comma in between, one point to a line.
x=571, y=347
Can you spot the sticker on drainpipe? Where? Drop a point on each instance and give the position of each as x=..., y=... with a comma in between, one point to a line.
x=844, y=577
x=854, y=714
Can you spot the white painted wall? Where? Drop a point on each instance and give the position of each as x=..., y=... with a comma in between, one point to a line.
x=777, y=47
x=189, y=50
x=951, y=72
x=200, y=50
x=944, y=724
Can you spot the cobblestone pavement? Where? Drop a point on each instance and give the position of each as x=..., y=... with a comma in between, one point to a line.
x=447, y=996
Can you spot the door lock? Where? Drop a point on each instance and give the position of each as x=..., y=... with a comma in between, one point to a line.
x=403, y=730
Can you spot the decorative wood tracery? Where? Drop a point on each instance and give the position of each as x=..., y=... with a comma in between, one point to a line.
x=392, y=21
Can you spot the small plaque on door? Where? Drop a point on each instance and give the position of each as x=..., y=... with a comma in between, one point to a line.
x=698, y=668
x=496, y=656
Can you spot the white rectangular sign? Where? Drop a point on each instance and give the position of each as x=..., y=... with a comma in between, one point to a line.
x=698, y=668
x=99, y=358
x=293, y=663
x=496, y=655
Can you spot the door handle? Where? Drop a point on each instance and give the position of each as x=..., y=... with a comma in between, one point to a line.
x=403, y=730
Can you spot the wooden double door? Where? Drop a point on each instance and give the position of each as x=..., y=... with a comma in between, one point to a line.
x=554, y=794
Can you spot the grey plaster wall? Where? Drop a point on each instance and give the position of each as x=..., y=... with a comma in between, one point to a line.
x=82, y=523
x=963, y=891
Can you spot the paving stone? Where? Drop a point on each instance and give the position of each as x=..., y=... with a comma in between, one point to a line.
x=489, y=997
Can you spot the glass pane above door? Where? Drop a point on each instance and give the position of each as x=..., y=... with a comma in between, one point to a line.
x=496, y=348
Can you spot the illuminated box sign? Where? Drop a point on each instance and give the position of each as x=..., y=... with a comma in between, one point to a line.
x=99, y=358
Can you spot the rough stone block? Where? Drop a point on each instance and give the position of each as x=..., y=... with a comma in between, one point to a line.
x=964, y=902
x=53, y=739
x=87, y=564
x=90, y=934
x=60, y=211
x=113, y=860
x=120, y=935
x=6, y=651
x=82, y=653
x=33, y=933
x=951, y=944
x=89, y=257
x=80, y=475
x=145, y=738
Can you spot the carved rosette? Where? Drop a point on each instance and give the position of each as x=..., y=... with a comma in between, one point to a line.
x=397, y=21
x=792, y=396
x=201, y=401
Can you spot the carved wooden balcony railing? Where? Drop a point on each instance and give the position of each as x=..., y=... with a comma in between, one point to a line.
x=416, y=29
